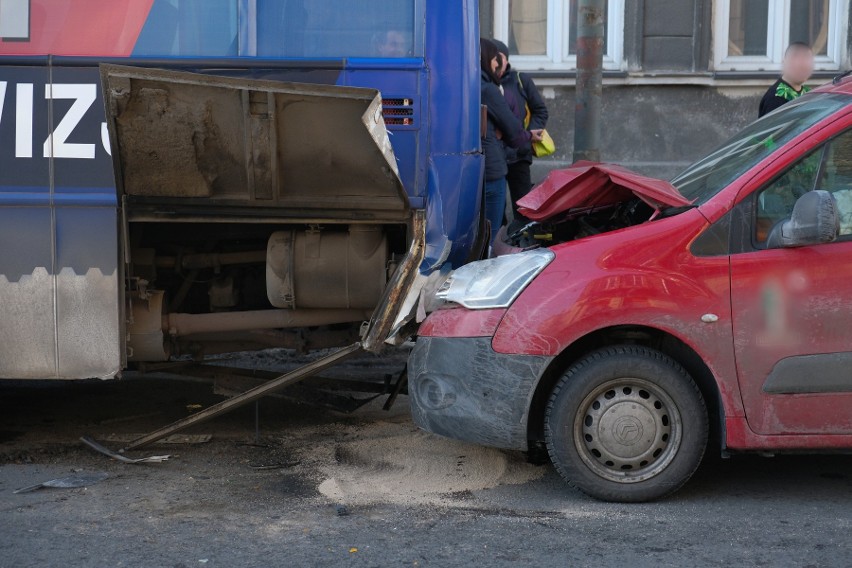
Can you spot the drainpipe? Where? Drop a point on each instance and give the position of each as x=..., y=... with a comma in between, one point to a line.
x=587, y=112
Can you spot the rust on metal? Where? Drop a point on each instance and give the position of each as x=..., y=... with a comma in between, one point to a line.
x=387, y=316
x=211, y=140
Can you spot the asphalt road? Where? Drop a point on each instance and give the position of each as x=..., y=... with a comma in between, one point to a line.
x=321, y=488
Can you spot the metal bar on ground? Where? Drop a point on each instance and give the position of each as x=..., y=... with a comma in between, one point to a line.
x=401, y=383
x=221, y=374
x=247, y=397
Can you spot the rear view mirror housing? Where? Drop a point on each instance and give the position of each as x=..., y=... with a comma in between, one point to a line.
x=814, y=221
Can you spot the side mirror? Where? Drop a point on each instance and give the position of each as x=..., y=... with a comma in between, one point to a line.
x=814, y=221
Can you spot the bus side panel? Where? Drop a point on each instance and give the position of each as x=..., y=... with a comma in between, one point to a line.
x=87, y=293
x=27, y=301
x=85, y=213
x=403, y=93
x=452, y=46
x=27, y=324
x=458, y=180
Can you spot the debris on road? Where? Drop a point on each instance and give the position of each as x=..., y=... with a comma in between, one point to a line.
x=278, y=465
x=116, y=456
x=173, y=439
x=250, y=395
x=68, y=482
x=130, y=418
x=390, y=462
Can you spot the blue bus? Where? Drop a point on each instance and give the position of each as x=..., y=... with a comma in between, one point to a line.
x=192, y=177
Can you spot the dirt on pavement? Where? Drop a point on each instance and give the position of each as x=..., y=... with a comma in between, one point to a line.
x=317, y=487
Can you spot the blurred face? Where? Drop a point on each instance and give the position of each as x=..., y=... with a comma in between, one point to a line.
x=393, y=46
x=503, y=65
x=495, y=65
x=798, y=65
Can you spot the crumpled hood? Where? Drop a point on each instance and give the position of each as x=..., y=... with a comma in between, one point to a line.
x=591, y=184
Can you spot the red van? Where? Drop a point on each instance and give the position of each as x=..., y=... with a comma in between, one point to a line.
x=643, y=318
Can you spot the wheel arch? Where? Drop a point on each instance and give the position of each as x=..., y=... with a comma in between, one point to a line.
x=646, y=336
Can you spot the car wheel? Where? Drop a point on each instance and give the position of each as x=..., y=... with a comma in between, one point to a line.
x=626, y=424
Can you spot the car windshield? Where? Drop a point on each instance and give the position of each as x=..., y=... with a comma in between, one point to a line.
x=707, y=177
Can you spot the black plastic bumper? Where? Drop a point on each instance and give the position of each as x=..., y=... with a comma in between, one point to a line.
x=460, y=388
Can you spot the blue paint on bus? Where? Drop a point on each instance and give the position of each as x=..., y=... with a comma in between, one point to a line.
x=437, y=149
x=59, y=208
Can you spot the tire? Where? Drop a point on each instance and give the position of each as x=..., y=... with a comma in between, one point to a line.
x=626, y=424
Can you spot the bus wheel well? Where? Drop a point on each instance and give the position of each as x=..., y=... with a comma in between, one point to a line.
x=632, y=335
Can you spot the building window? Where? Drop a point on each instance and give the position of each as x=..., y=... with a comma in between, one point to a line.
x=751, y=35
x=542, y=34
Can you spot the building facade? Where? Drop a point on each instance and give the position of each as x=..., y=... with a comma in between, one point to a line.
x=680, y=76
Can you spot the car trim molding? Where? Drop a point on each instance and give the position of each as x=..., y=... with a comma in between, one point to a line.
x=811, y=374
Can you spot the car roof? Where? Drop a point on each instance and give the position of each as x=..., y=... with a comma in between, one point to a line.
x=841, y=84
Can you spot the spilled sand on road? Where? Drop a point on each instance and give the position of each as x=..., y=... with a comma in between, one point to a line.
x=394, y=462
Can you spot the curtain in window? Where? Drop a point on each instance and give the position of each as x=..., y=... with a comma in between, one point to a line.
x=809, y=23
x=748, y=26
x=528, y=27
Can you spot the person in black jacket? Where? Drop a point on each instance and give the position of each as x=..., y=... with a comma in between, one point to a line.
x=521, y=94
x=503, y=129
x=797, y=67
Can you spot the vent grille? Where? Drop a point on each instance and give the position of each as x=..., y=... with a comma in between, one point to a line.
x=399, y=111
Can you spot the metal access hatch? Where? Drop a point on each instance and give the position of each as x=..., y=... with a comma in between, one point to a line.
x=310, y=151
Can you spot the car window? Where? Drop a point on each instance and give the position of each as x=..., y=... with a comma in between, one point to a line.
x=709, y=176
x=775, y=201
x=829, y=167
x=836, y=176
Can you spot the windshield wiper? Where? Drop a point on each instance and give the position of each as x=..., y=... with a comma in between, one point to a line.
x=675, y=210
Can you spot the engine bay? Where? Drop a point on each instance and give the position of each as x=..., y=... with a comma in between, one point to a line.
x=576, y=224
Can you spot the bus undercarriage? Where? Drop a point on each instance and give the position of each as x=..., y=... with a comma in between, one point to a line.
x=255, y=214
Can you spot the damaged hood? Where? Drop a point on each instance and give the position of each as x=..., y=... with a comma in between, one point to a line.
x=315, y=150
x=590, y=184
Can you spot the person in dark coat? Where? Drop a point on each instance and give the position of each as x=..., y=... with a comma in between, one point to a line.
x=503, y=129
x=797, y=67
x=520, y=93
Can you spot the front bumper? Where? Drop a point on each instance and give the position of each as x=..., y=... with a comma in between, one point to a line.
x=461, y=388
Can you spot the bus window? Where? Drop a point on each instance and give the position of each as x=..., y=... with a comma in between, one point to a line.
x=212, y=28
x=189, y=28
x=335, y=28
x=279, y=28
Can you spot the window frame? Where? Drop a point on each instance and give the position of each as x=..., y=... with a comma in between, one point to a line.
x=557, y=57
x=754, y=199
x=820, y=150
x=778, y=37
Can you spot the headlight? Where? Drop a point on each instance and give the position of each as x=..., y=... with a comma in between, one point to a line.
x=496, y=282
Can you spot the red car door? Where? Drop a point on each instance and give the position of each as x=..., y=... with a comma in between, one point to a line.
x=792, y=308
